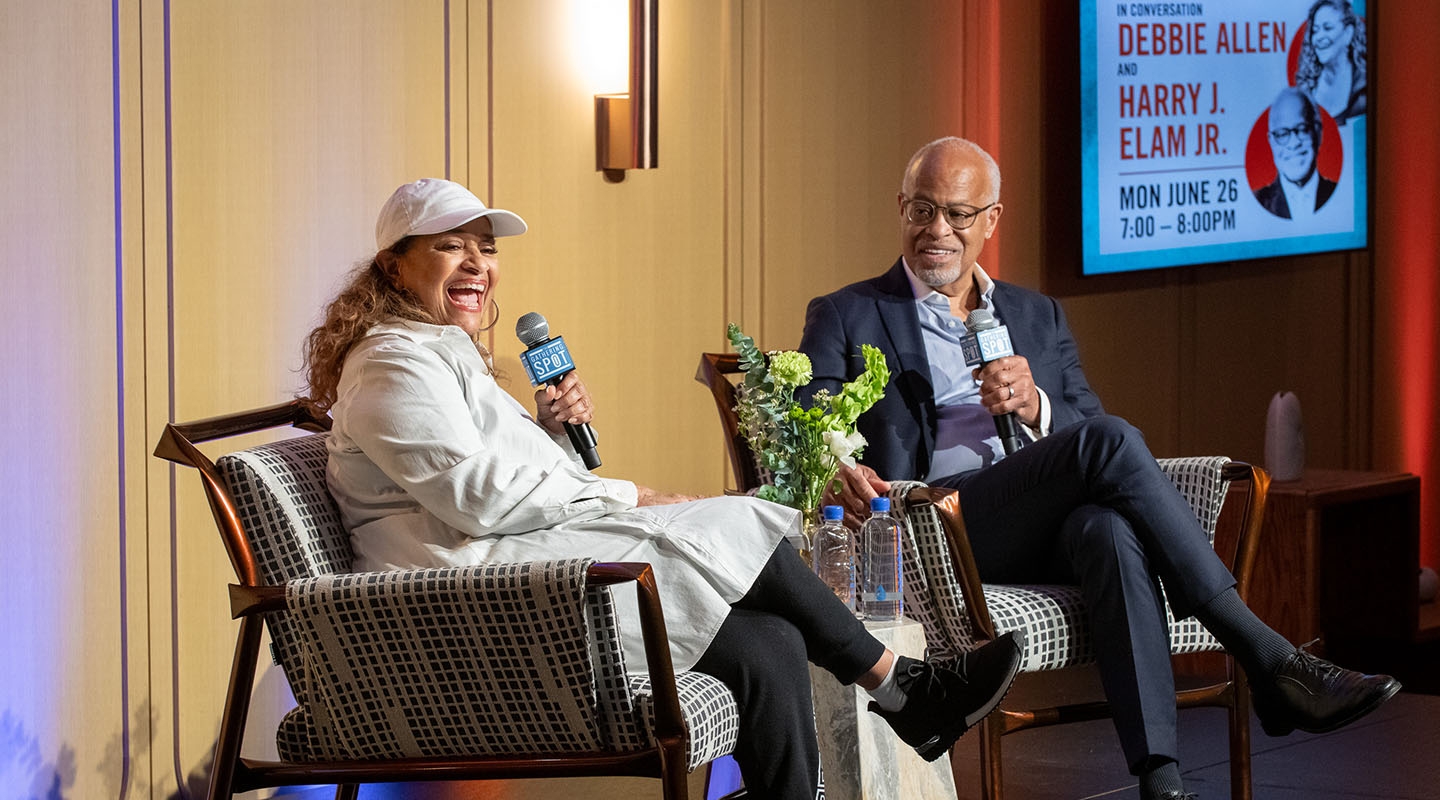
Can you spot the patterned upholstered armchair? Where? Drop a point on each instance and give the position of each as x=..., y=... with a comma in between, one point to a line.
x=497, y=671
x=943, y=590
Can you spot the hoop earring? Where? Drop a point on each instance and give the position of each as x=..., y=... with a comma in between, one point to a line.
x=496, y=306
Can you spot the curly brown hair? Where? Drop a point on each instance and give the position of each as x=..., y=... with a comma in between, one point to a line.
x=369, y=298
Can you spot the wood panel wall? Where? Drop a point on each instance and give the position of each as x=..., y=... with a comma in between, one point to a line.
x=73, y=665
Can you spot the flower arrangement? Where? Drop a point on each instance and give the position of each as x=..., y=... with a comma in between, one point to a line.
x=802, y=448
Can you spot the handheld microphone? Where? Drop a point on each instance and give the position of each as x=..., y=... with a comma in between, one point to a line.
x=547, y=360
x=989, y=340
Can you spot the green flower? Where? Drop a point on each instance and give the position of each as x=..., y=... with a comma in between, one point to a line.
x=802, y=448
x=790, y=368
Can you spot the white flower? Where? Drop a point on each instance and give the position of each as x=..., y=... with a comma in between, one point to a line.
x=841, y=446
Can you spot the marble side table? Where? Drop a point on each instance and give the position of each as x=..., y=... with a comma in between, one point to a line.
x=861, y=757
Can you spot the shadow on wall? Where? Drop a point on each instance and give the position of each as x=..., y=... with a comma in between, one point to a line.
x=22, y=765
x=197, y=781
x=30, y=776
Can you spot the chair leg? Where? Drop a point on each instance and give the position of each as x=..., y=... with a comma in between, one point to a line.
x=347, y=791
x=1239, y=734
x=992, y=729
x=237, y=707
x=674, y=780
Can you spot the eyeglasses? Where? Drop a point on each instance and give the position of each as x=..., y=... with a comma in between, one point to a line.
x=1283, y=136
x=922, y=212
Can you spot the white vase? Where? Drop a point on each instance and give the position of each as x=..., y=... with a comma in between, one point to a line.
x=1284, y=438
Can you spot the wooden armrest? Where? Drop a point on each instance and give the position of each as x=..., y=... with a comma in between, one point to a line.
x=175, y=438
x=1247, y=546
x=962, y=558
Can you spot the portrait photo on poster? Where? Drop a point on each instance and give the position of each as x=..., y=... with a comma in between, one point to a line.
x=1294, y=157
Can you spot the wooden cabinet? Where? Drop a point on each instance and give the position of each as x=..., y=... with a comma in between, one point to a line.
x=1339, y=556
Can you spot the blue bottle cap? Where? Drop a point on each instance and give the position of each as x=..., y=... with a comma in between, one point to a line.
x=833, y=513
x=880, y=504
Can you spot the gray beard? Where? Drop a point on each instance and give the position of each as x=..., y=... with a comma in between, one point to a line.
x=935, y=278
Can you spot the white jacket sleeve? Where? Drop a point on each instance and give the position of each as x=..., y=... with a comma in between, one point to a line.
x=455, y=445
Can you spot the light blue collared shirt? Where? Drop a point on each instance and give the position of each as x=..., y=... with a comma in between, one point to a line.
x=965, y=437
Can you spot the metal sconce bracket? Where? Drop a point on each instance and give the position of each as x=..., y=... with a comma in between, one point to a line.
x=625, y=124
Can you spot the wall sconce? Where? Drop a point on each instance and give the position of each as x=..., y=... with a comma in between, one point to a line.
x=625, y=123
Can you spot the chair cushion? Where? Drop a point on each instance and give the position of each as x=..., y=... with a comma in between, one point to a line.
x=709, y=708
x=1201, y=481
x=295, y=532
x=285, y=506
x=1053, y=616
x=487, y=660
x=291, y=522
x=292, y=738
x=711, y=716
x=1057, y=627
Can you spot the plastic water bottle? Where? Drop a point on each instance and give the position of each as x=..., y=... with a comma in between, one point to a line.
x=881, y=589
x=833, y=553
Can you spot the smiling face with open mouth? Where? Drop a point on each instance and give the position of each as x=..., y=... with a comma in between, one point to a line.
x=1330, y=34
x=452, y=273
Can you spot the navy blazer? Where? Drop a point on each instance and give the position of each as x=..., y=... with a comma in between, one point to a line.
x=900, y=428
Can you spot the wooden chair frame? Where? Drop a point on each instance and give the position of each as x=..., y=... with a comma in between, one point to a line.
x=250, y=598
x=1232, y=694
x=713, y=369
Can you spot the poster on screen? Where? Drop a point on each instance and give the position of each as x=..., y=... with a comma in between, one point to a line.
x=1221, y=130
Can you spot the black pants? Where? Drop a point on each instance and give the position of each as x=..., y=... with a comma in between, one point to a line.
x=788, y=618
x=1088, y=505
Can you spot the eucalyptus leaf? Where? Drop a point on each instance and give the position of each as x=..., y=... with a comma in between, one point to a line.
x=789, y=440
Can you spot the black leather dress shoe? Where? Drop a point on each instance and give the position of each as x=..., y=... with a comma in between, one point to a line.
x=942, y=702
x=1316, y=696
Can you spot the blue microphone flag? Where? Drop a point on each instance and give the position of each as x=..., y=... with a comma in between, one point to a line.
x=547, y=361
x=982, y=347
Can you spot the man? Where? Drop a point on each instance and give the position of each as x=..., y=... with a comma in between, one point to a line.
x=1083, y=502
x=1299, y=190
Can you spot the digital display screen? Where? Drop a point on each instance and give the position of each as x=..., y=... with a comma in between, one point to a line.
x=1221, y=130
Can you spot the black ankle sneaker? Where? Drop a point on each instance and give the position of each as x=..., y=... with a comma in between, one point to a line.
x=942, y=702
x=1316, y=696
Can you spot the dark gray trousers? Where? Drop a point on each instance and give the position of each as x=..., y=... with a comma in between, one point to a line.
x=1088, y=505
x=788, y=618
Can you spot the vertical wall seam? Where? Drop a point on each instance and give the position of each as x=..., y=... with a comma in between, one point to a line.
x=469, y=166
x=490, y=100
x=759, y=189
x=120, y=450
x=182, y=789
x=445, y=32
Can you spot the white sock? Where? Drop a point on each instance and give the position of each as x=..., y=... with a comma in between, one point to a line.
x=888, y=695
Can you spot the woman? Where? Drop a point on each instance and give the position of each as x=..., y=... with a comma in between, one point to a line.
x=1331, y=66
x=432, y=464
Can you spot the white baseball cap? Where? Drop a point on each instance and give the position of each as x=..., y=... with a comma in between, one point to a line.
x=433, y=205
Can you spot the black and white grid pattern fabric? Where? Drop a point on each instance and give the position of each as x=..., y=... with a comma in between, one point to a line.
x=710, y=714
x=291, y=521
x=620, y=714
x=1053, y=616
x=487, y=660
x=374, y=705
